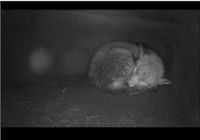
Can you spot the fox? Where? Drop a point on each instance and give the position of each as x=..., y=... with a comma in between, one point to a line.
x=124, y=66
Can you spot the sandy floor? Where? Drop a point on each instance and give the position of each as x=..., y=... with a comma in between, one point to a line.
x=75, y=102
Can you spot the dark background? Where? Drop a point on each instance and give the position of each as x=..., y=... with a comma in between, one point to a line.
x=71, y=37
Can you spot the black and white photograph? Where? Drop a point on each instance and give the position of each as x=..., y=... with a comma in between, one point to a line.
x=100, y=68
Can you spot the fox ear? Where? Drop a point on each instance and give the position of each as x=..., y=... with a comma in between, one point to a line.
x=165, y=81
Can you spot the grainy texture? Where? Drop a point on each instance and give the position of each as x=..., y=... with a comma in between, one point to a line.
x=74, y=102
x=68, y=101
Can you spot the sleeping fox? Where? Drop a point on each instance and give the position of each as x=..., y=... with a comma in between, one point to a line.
x=122, y=65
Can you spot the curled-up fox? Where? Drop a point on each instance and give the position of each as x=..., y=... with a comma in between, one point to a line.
x=122, y=65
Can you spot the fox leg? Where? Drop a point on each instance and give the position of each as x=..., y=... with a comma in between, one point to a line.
x=163, y=81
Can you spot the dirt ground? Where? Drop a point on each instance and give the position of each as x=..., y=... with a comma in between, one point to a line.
x=75, y=102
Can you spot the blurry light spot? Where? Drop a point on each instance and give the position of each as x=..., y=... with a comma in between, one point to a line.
x=40, y=61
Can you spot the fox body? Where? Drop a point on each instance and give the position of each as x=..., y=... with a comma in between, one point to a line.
x=112, y=64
